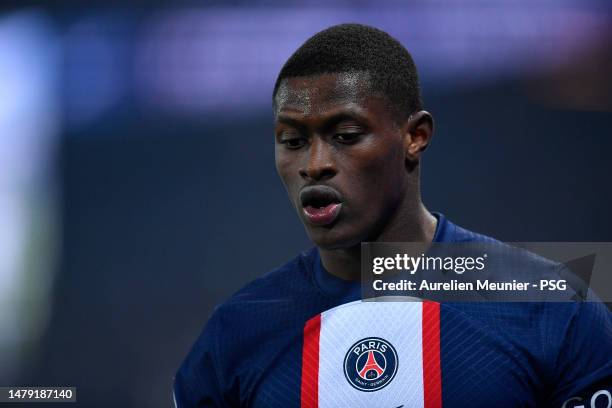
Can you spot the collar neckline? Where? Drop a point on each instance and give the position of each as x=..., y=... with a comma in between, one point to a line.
x=339, y=288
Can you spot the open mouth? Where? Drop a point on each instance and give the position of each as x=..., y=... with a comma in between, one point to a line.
x=321, y=205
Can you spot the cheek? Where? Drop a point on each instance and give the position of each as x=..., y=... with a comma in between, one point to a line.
x=378, y=176
x=285, y=167
x=381, y=163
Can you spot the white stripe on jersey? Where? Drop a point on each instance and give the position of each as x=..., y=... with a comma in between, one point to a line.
x=399, y=323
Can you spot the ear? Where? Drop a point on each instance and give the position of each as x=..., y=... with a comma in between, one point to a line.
x=418, y=131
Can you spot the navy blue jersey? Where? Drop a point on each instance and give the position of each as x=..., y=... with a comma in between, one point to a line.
x=300, y=337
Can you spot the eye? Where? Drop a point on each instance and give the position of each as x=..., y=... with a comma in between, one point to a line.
x=347, y=137
x=348, y=132
x=293, y=142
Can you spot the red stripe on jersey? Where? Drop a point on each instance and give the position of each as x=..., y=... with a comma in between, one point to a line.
x=310, y=363
x=432, y=376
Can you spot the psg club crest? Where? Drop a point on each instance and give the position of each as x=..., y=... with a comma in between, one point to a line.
x=370, y=364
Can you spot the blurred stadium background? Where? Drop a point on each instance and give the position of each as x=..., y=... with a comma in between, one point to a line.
x=137, y=183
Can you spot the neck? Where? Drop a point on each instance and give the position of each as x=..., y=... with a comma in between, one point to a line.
x=411, y=223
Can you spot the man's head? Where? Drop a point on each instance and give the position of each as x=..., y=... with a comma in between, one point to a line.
x=360, y=48
x=349, y=133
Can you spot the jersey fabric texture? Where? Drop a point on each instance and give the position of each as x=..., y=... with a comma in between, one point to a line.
x=300, y=337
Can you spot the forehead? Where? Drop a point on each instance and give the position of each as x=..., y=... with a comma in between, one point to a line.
x=315, y=95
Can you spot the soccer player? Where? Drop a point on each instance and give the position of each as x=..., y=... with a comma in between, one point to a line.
x=350, y=132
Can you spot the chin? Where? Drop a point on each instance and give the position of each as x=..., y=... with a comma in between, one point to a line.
x=328, y=239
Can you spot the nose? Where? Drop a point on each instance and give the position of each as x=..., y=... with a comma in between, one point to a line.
x=320, y=164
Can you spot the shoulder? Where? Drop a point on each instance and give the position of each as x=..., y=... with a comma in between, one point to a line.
x=456, y=233
x=272, y=293
x=268, y=303
x=547, y=330
x=241, y=330
x=280, y=283
x=510, y=258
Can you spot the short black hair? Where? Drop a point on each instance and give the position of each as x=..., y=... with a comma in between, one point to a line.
x=360, y=48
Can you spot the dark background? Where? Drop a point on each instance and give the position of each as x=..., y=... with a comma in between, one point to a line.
x=165, y=206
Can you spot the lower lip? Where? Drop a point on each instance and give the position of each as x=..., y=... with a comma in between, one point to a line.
x=324, y=215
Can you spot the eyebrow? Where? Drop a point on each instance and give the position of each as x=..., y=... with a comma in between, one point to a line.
x=289, y=121
x=328, y=123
